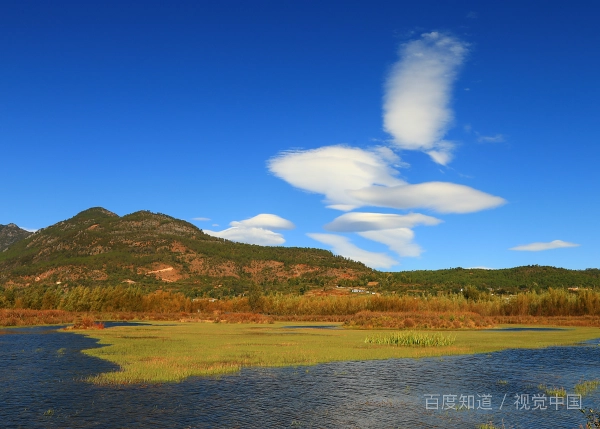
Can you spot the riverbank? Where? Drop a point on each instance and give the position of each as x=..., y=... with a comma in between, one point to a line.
x=171, y=352
x=425, y=319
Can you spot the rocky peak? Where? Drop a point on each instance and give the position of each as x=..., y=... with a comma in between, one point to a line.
x=10, y=234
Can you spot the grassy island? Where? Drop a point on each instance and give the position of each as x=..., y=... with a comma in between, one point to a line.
x=171, y=352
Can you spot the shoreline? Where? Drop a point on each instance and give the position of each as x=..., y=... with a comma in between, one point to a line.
x=161, y=352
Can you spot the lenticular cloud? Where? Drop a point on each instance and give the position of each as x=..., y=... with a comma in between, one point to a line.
x=417, y=97
x=333, y=170
x=256, y=230
x=351, y=178
x=537, y=247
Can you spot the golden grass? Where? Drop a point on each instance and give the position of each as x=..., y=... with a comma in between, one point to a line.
x=553, y=391
x=171, y=352
x=586, y=387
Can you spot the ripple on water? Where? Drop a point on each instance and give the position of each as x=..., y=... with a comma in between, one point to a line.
x=41, y=371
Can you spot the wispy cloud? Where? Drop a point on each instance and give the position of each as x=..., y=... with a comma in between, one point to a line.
x=399, y=240
x=341, y=245
x=360, y=222
x=418, y=92
x=201, y=219
x=256, y=230
x=30, y=229
x=536, y=247
x=498, y=138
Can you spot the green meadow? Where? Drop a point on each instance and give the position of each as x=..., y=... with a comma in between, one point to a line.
x=170, y=352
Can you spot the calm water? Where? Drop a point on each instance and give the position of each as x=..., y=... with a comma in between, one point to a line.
x=41, y=369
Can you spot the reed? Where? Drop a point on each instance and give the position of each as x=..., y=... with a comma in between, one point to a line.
x=416, y=320
x=412, y=339
x=586, y=387
x=489, y=425
x=553, y=391
x=87, y=322
x=550, y=303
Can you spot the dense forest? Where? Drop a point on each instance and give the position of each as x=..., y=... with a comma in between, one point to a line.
x=503, y=281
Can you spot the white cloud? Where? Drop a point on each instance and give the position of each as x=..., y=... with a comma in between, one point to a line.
x=359, y=221
x=417, y=95
x=334, y=170
x=30, y=229
x=256, y=230
x=498, y=138
x=390, y=229
x=442, y=197
x=536, y=247
x=399, y=240
x=201, y=219
x=351, y=178
x=341, y=245
x=260, y=236
x=443, y=154
x=265, y=220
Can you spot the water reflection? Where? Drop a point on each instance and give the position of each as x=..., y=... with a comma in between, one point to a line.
x=41, y=372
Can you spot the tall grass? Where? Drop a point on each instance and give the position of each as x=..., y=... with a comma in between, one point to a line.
x=586, y=387
x=550, y=303
x=412, y=339
x=553, y=391
x=424, y=320
x=446, y=311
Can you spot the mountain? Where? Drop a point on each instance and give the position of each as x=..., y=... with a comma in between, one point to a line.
x=10, y=234
x=153, y=250
x=98, y=247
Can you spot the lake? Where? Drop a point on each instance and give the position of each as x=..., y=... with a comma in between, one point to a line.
x=42, y=373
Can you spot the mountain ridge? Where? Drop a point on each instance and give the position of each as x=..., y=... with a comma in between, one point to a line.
x=98, y=247
x=10, y=234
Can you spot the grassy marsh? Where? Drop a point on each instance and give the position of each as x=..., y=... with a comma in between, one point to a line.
x=161, y=352
x=412, y=339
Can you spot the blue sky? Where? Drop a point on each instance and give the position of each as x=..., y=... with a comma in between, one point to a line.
x=408, y=135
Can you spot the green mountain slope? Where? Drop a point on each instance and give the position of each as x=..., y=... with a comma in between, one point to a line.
x=10, y=234
x=97, y=247
x=152, y=250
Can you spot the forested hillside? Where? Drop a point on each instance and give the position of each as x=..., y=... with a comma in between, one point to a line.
x=97, y=248
x=143, y=251
x=503, y=281
x=10, y=234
